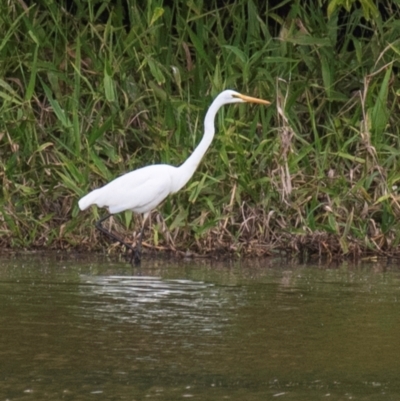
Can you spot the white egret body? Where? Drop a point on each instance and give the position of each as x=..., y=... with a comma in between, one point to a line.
x=144, y=189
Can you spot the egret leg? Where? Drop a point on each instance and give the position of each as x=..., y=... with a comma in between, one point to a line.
x=110, y=234
x=137, y=255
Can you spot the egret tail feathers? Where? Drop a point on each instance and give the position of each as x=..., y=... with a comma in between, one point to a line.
x=88, y=200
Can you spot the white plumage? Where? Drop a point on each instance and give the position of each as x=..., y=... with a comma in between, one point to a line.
x=144, y=189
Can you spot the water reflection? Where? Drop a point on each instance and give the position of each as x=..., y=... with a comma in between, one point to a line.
x=183, y=304
x=83, y=329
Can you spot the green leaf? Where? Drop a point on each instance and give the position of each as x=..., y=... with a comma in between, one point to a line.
x=32, y=79
x=59, y=112
x=109, y=89
x=156, y=72
x=239, y=53
x=11, y=96
x=158, y=13
x=380, y=112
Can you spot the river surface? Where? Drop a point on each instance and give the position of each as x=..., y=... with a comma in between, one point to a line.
x=85, y=329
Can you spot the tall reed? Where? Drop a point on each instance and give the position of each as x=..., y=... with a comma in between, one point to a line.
x=93, y=91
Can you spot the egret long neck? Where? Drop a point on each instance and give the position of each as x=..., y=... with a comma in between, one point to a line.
x=187, y=169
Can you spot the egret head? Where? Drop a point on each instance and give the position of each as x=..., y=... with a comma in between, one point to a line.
x=230, y=96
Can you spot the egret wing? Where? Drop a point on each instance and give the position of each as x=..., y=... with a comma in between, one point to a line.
x=139, y=191
x=140, y=199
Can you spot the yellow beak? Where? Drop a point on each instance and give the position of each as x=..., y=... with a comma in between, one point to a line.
x=250, y=99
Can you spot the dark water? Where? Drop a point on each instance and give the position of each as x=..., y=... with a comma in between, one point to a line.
x=79, y=330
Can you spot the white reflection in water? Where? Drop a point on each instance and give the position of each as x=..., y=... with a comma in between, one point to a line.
x=149, y=301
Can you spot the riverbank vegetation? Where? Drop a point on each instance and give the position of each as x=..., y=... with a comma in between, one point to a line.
x=94, y=89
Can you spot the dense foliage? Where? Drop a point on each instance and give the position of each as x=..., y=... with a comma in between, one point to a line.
x=90, y=90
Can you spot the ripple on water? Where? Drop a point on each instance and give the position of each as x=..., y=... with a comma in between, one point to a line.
x=187, y=305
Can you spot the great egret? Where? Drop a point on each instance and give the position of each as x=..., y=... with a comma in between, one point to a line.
x=144, y=189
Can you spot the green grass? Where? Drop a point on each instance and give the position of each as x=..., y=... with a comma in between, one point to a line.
x=89, y=94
